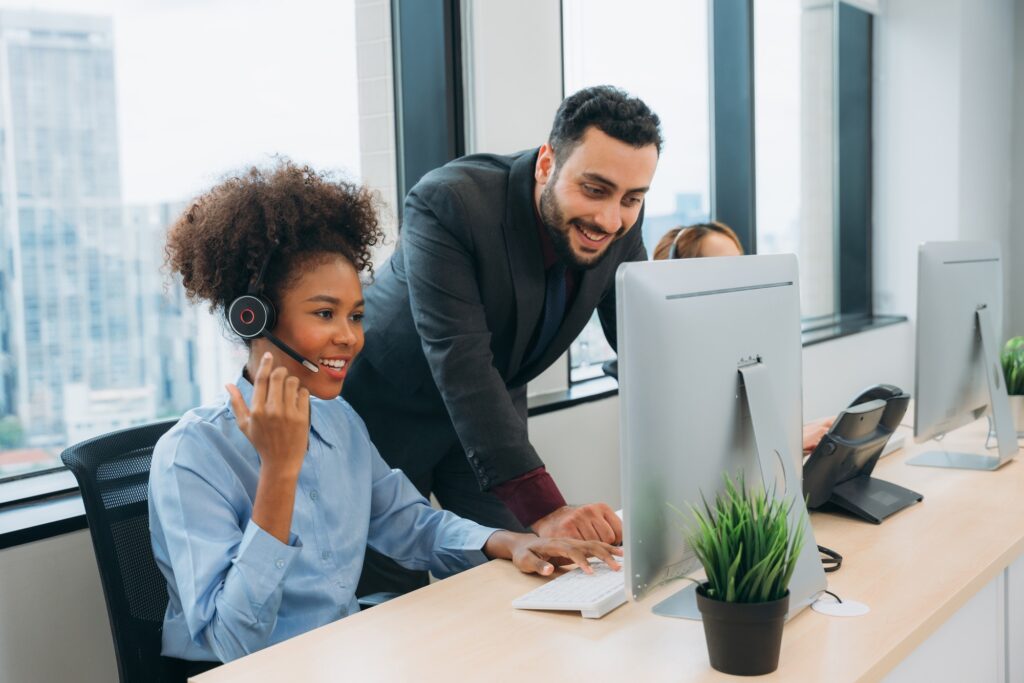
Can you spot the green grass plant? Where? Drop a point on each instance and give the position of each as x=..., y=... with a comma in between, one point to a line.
x=1013, y=366
x=745, y=544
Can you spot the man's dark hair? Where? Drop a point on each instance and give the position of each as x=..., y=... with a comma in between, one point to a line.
x=612, y=111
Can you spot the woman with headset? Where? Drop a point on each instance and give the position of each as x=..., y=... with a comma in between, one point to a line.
x=718, y=239
x=262, y=503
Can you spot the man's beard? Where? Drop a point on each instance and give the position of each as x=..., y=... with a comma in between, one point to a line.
x=558, y=229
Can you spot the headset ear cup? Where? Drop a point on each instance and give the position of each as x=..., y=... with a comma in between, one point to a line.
x=673, y=253
x=250, y=316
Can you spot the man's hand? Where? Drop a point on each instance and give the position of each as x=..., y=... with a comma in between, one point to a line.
x=813, y=431
x=533, y=555
x=593, y=522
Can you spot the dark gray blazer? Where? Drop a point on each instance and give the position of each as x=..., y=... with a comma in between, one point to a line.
x=450, y=315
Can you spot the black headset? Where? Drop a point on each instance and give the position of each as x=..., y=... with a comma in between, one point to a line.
x=252, y=315
x=674, y=251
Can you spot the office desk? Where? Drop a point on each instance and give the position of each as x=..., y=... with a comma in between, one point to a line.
x=914, y=571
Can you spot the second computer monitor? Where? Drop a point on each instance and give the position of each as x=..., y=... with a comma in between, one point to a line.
x=709, y=383
x=959, y=334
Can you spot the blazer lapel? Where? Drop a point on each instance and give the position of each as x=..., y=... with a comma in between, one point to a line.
x=524, y=254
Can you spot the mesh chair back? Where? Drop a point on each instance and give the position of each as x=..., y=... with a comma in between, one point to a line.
x=113, y=475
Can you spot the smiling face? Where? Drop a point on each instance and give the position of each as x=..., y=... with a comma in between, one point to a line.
x=593, y=197
x=320, y=315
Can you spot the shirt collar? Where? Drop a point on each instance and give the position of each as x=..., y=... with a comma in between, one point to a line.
x=317, y=423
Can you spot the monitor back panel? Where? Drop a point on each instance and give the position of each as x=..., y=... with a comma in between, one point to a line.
x=684, y=327
x=953, y=279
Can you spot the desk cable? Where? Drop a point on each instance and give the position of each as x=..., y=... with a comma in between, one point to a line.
x=831, y=561
x=825, y=591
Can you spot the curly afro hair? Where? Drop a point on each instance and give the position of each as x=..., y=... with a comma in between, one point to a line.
x=292, y=215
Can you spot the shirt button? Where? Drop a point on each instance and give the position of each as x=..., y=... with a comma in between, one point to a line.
x=313, y=495
x=279, y=564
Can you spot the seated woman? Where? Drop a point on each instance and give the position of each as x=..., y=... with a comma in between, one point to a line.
x=718, y=239
x=262, y=504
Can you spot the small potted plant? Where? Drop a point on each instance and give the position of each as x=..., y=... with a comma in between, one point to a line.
x=1013, y=371
x=749, y=551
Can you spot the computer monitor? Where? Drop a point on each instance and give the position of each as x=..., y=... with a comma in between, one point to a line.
x=959, y=333
x=709, y=383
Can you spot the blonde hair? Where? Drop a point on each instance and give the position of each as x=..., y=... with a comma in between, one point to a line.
x=685, y=241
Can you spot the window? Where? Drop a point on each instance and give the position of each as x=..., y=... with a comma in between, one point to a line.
x=812, y=66
x=668, y=69
x=793, y=133
x=791, y=137
x=121, y=113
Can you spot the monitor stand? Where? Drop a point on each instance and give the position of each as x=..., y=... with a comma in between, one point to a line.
x=770, y=442
x=1006, y=435
x=872, y=499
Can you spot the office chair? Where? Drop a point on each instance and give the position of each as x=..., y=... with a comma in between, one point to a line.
x=113, y=475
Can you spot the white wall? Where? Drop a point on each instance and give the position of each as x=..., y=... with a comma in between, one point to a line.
x=970, y=646
x=514, y=73
x=53, y=620
x=580, y=445
x=1016, y=315
x=1015, y=621
x=943, y=113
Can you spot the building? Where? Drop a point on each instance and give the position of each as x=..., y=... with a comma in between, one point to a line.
x=71, y=315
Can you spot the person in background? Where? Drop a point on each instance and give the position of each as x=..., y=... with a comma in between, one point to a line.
x=262, y=504
x=718, y=239
x=702, y=239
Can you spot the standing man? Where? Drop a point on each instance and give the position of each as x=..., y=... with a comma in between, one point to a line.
x=500, y=263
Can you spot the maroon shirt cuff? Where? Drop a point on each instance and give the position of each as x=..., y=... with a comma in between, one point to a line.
x=530, y=496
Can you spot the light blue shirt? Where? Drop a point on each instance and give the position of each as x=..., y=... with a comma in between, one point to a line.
x=233, y=587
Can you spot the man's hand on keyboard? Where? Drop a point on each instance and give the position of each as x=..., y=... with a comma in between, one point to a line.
x=533, y=555
x=593, y=522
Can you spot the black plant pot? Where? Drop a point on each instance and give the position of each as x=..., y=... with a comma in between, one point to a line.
x=744, y=639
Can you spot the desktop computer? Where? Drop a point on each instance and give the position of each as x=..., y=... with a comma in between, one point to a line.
x=709, y=383
x=959, y=377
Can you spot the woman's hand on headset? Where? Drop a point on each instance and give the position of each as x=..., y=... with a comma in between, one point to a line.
x=277, y=422
x=277, y=425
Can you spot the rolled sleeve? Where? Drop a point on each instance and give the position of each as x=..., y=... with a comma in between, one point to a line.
x=531, y=496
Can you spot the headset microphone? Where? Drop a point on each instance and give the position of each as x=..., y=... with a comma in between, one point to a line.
x=252, y=315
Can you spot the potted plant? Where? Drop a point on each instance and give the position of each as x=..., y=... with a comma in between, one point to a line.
x=1013, y=370
x=749, y=551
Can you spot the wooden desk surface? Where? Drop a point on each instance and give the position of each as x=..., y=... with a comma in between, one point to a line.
x=914, y=571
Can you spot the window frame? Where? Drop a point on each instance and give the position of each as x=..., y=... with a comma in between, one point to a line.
x=427, y=44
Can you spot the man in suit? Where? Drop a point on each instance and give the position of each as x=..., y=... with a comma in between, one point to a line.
x=500, y=263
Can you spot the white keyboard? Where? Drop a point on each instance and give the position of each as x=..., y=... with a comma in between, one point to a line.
x=593, y=595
